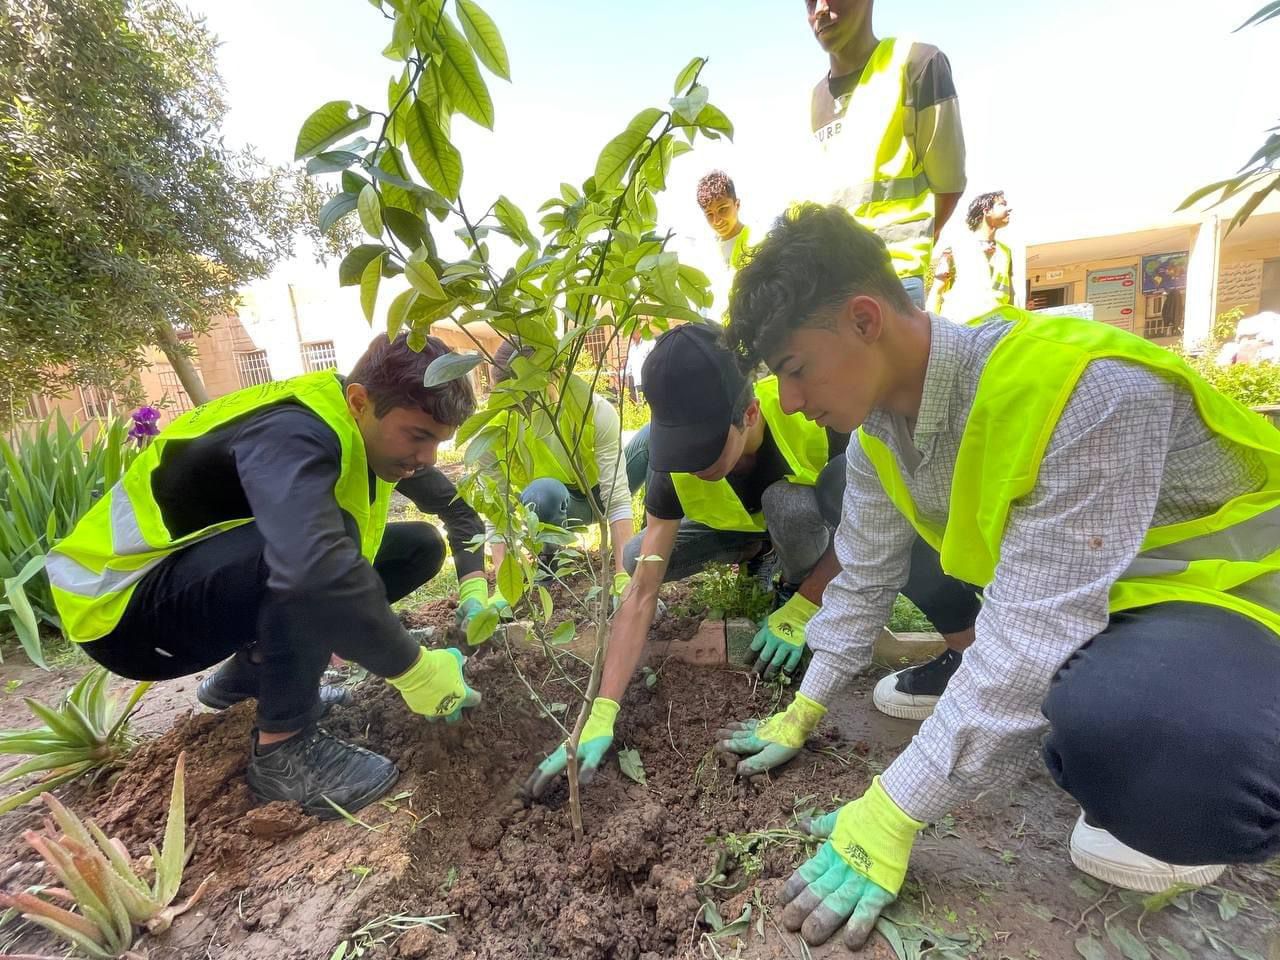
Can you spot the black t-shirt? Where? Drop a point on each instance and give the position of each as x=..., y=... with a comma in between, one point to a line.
x=662, y=502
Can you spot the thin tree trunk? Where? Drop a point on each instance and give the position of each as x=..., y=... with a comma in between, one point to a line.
x=188, y=376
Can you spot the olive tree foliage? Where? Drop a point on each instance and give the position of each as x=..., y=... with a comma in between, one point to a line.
x=1261, y=173
x=598, y=265
x=123, y=215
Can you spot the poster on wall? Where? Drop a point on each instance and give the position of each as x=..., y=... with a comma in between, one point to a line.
x=1164, y=272
x=1114, y=295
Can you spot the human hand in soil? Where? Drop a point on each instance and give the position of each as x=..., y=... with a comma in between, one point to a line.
x=771, y=742
x=434, y=687
x=473, y=597
x=780, y=642
x=855, y=874
x=596, y=739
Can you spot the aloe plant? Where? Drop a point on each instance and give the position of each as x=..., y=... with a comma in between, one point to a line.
x=97, y=875
x=87, y=731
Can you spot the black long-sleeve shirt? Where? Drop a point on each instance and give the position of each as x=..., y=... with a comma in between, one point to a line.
x=280, y=465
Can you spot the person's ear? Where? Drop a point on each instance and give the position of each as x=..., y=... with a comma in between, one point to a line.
x=358, y=400
x=752, y=414
x=862, y=316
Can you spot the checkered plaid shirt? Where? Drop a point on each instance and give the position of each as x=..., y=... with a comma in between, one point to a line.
x=1129, y=451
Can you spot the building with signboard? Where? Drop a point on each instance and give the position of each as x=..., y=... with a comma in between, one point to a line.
x=1166, y=282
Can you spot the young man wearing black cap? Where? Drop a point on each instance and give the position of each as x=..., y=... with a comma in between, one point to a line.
x=729, y=474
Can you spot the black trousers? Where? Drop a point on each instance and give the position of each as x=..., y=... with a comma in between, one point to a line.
x=1166, y=728
x=210, y=601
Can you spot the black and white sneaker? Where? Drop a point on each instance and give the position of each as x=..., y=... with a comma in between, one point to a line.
x=911, y=694
x=763, y=567
x=315, y=765
x=229, y=685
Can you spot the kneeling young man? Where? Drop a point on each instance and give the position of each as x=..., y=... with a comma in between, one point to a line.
x=1123, y=519
x=255, y=527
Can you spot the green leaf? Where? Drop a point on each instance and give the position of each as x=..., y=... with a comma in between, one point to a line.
x=1244, y=953
x=511, y=578
x=334, y=161
x=1174, y=950
x=339, y=952
x=408, y=228
x=370, y=277
x=544, y=598
x=484, y=37
x=563, y=633
x=1129, y=945
x=712, y=122
x=621, y=150
x=1091, y=948
x=449, y=367
x=436, y=158
x=687, y=75
x=1261, y=16
x=370, y=208
x=423, y=279
x=511, y=217
x=351, y=269
x=1229, y=904
x=1158, y=901
x=327, y=125
x=397, y=189
x=398, y=312
x=632, y=766
x=670, y=311
x=690, y=106
x=482, y=626
x=21, y=615
x=1085, y=889
x=462, y=78
x=338, y=207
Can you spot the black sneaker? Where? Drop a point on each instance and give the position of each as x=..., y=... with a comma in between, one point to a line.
x=911, y=694
x=229, y=685
x=314, y=765
x=763, y=567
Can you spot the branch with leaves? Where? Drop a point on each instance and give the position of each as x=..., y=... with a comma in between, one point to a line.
x=599, y=271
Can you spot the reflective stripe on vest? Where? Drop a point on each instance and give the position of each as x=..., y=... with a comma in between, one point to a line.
x=1230, y=559
x=1001, y=266
x=803, y=445
x=869, y=145
x=95, y=569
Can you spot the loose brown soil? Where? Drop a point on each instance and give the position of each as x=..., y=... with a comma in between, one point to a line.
x=992, y=881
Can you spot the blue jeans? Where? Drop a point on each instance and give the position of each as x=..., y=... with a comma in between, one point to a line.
x=915, y=290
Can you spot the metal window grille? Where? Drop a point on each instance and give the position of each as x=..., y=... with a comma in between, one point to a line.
x=319, y=356
x=254, y=368
x=96, y=402
x=174, y=390
x=37, y=408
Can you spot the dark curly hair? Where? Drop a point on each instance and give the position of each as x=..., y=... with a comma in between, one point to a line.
x=980, y=206
x=813, y=259
x=713, y=186
x=392, y=372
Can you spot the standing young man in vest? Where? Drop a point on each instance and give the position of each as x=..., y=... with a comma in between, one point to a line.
x=255, y=527
x=718, y=200
x=982, y=275
x=1123, y=519
x=888, y=125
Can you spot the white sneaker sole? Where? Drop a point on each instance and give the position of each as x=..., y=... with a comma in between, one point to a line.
x=1143, y=881
x=920, y=710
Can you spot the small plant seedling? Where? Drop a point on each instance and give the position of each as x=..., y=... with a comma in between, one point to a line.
x=352, y=819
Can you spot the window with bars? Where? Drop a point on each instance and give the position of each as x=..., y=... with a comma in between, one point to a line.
x=174, y=390
x=319, y=356
x=254, y=368
x=96, y=402
x=37, y=408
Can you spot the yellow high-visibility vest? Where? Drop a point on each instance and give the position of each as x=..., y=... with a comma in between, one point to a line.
x=95, y=569
x=1001, y=266
x=1230, y=559
x=547, y=454
x=802, y=443
x=872, y=167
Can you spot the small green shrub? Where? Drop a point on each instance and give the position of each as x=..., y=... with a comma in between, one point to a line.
x=721, y=590
x=48, y=480
x=907, y=618
x=1253, y=384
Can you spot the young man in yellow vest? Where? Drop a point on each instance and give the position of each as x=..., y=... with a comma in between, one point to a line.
x=255, y=527
x=718, y=200
x=888, y=126
x=553, y=489
x=1121, y=516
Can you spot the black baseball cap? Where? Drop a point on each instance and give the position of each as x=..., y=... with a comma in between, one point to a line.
x=691, y=382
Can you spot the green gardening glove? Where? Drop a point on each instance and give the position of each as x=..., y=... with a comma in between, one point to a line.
x=855, y=874
x=771, y=743
x=473, y=597
x=434, y=687
x=780, y=642
x=597, y=737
